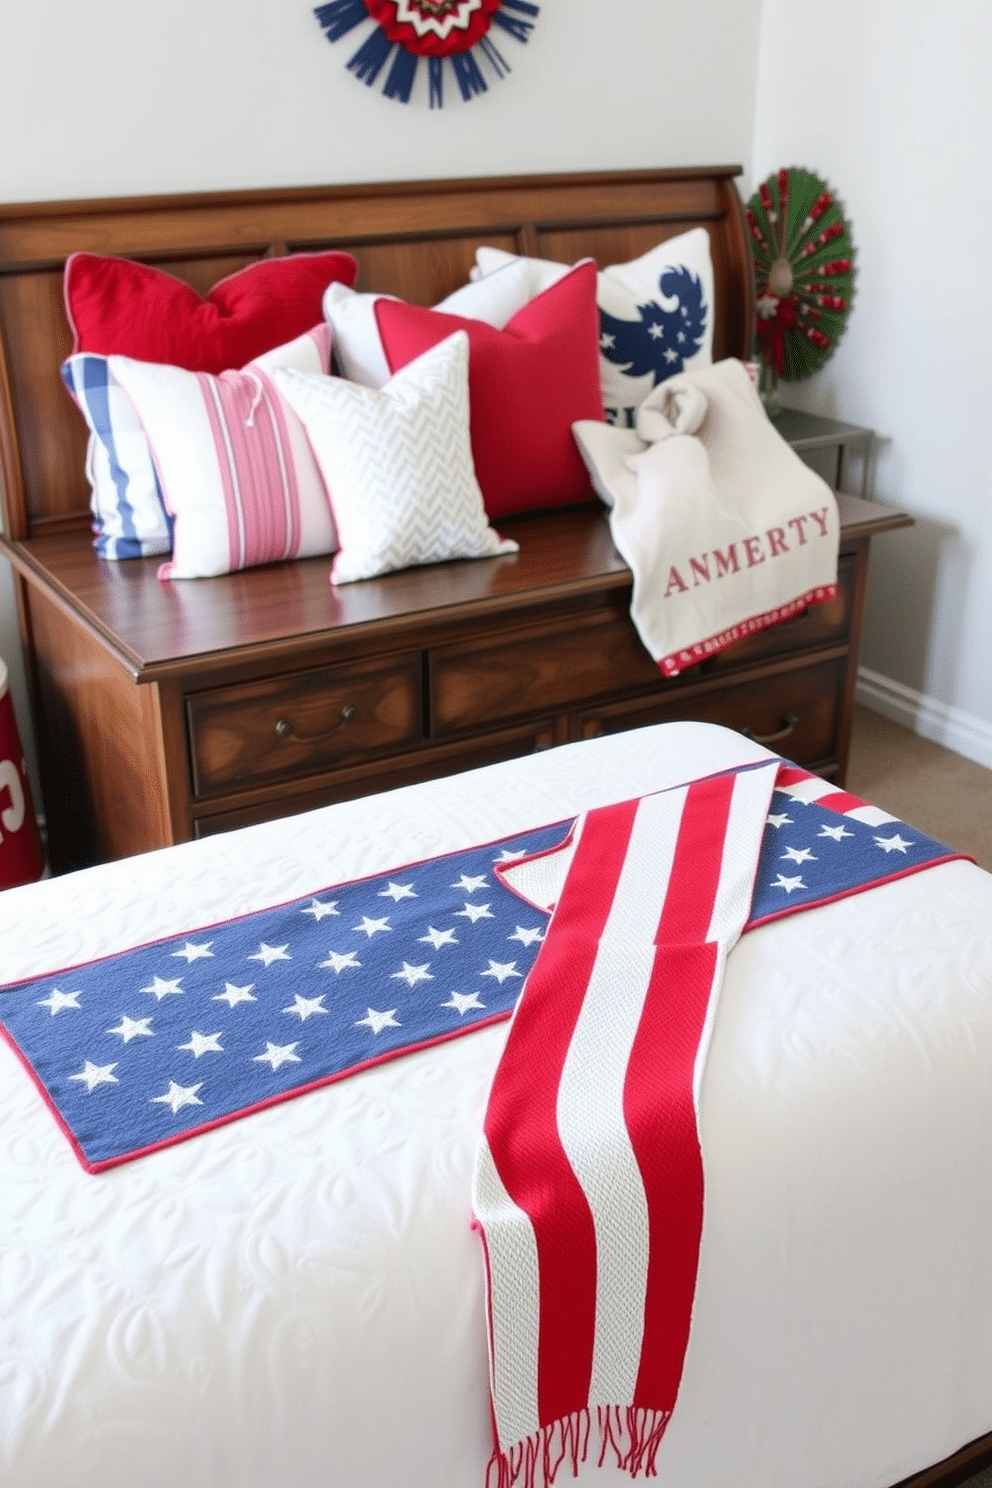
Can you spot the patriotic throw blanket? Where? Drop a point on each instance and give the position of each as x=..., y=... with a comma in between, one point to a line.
x=723, y=527
x=157, y=1043
x=153, y=1045
x=589, y=1182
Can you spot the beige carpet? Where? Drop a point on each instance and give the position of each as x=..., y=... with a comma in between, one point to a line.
x=940, y=792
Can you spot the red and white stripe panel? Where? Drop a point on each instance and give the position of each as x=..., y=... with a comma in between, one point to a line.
x=589, y=1184
x=234, y=462
x=802, y=786
x=254, y=464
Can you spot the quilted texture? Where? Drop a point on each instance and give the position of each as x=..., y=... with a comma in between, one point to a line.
x=235, y=466
x=655, y=313
x=160, y=1322
x=398, y=464
x=120, y=308
x=527, y=383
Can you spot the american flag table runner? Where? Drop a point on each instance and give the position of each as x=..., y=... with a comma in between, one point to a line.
x=155, y=1044
x=589, y=1189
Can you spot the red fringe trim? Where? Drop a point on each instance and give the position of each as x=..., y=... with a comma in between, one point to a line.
x=633, y=1436
x=687, y=656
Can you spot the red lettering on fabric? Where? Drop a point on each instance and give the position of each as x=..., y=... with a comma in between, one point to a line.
x=726, y=562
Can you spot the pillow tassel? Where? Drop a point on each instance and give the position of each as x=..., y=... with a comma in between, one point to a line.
x=259, y=393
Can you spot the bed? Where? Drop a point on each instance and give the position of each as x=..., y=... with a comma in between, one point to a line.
x=297, y=1296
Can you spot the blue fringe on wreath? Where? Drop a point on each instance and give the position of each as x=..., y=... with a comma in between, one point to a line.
x=338, y=17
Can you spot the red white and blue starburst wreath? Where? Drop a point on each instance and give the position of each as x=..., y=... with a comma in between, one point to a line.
x=456, y=31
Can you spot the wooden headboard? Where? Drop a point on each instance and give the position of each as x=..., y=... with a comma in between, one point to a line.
x=413, y=239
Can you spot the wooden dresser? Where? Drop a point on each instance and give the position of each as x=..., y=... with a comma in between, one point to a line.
x=167, y=711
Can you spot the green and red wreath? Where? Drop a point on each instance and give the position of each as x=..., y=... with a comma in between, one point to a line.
x=804, y=271
x=439, y=31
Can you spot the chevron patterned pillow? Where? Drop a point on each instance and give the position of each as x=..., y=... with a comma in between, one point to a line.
x=397, y=463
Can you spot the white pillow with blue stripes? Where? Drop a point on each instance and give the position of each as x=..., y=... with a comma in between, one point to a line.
x=129, y=516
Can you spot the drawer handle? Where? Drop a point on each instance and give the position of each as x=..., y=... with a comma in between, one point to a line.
x=285, y=729
x=788, y=724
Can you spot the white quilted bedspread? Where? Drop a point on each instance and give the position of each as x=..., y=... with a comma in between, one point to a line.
x=296, y=1299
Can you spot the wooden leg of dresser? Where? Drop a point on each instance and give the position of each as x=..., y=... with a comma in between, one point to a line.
x=100, y=747
x=845, y=719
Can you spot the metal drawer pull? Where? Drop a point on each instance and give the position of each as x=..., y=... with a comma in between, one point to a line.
x=285, y=729
x=788, y=724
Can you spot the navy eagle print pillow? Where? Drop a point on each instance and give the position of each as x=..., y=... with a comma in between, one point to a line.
x=667, y=333
x=655, y=315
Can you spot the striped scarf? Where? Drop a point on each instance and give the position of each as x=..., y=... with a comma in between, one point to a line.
x=589, y=1183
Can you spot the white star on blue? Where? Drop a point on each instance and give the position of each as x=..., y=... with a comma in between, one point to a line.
x=279, y=1000
x=817, y=853
x=291, y=997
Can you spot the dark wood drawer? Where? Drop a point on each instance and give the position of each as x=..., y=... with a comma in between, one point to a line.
x=554, y=665
x=407, y=769
x=820, y=625
x=573, y=660
x=285, y=727
x=795, y=711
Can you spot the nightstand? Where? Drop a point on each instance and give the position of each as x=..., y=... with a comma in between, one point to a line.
x=808, y=432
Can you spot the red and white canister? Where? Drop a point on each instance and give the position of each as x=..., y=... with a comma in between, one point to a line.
x=22, y=858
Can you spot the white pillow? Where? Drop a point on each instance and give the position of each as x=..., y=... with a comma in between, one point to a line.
x=234, y=464
x=358, y=348
x=656, y=315
x=398, y=464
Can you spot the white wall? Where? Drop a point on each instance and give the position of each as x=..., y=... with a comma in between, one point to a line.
x=890, y=100
x=229, y=93
x=117, y=98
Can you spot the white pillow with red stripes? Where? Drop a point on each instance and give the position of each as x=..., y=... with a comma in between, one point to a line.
x=234, y=463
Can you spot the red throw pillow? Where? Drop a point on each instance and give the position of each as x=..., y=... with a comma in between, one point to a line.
x=528, y=383
x=120, y=308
